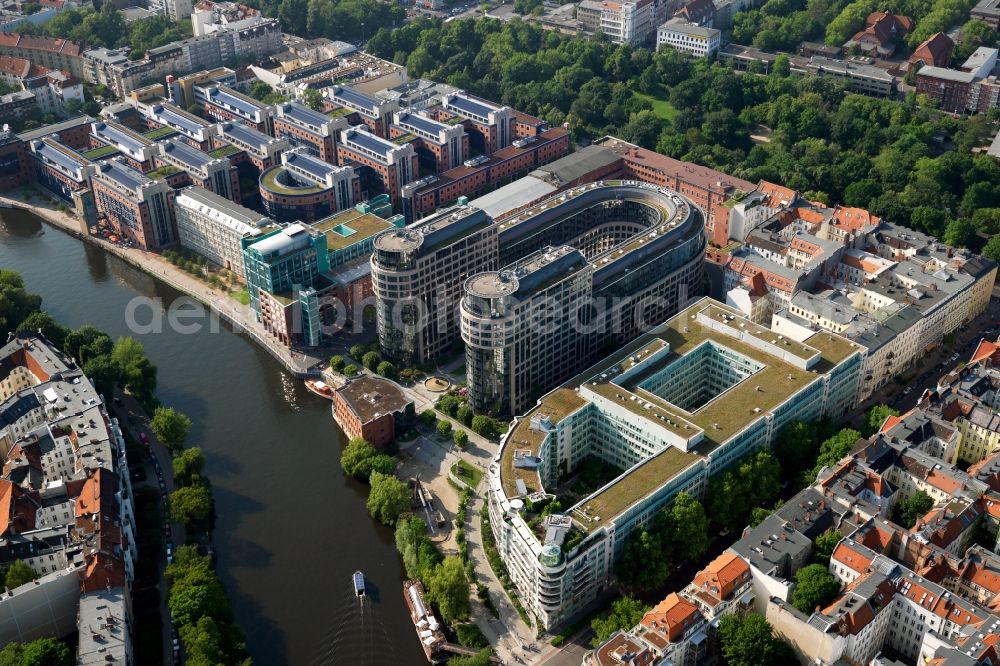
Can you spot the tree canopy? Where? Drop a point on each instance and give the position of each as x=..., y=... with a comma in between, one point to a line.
x=753, y=481
x=40, y=652
x=814, y=586
x=625, y=613
x=16, y=303
x=388, y=498
x=171, y=427
x=749, y=640
x=449, y=589
x=908, y=511
x=191, y=505
x=359, y=459
x=875, y=417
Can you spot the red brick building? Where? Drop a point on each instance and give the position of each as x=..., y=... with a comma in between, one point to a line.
x=707, y=188
x=372, y=408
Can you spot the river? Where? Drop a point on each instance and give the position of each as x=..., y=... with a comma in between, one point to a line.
x=290, y=527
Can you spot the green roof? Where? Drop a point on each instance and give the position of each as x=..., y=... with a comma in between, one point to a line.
x=163, y=171
x=224, y=151
x=269, y=180
x=160, y=133
x=349, y=227
x=98, y=153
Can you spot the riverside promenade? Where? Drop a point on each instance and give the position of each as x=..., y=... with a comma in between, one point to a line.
x=300, y=363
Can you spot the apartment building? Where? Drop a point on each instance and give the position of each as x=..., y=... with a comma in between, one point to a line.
x=15, y=167
x=552, y=309
x=306, y=188
x=673, y=408
x=686, y=37
x=215, y=227
x=308, y=129
x=329, y=65
x=193, y=88
x=439, y=146
x=623, y=22
x=52, y=88
x=193, y=167
x=138, y=208
x=362, y=108
x=262, y=151
x=224, y=104
x=50, y=52
x=383, y=166
x=490, y=127
x=66, y=484
x=138, y=151
x=987, y=11
x=972, y=88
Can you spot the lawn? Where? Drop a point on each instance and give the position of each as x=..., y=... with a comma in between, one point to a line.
x=242, y=296
x=661, y=107
x=469, y=474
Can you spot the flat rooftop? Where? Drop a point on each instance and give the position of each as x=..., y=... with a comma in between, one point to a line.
x=372, y=397
x=349, y=227
x=617, y=378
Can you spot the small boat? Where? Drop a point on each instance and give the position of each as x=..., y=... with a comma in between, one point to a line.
x=320, y=388
x=359, y=583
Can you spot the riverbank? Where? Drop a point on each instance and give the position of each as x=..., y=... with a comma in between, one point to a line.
x=299, y=363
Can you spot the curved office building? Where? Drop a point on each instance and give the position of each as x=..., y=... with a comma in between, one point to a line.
x=586, y=270
x=305, y=188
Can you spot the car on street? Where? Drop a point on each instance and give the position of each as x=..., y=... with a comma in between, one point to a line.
x=170, y=552
x=143, y=438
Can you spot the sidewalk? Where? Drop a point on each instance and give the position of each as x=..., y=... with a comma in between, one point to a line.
x=299, y=363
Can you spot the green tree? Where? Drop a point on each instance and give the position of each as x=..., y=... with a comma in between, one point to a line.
x=259, y=90
x=461, y=438
x=824, y=546
x=448, y=404
x=835, y=448
x=645, y=561
x=46, y=652
x=350, y=370
x=428, y=417
x=386, y=369
x=992, y=249
x=190, y=505
x=444, y=428
x=19, y=574
x=203, y=642
x=138, y=374
x=465, y=414
x=39, y=320
x=419, y=554
x=481, y=658
x=313, y=99
x=188, y=466
x=170, y=427
x=758, y=515
x=336, y=363
x=370, y=360
x=448, y=589
x=388, y=498
x=797, y=446
x=908, y=511
x=815, y=587
x=749, y=640
x=15, y=302
x=875, y=418
x=357, y=351
x=960, y=232
x=483, y=425
x=359, y=459
x=104, y=373
x=688, y=527
x=625, y=613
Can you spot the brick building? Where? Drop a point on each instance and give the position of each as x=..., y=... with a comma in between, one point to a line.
x=138, y=208
x=373, y=409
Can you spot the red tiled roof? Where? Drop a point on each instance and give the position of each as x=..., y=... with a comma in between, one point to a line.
x=935, y=50
x=671, y=617
x=723, y=575
x=845, y=553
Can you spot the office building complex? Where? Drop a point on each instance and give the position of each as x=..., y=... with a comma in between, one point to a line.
x=306, y=188
x=261, y=150
x=681, y=35
x=361, y=108
x=195, y=131
x=439, y=146
x=137, y=150
x=490, y=127
x=383, y=166
x=552, y=309
x=64, y=172
x=309, y=129
x=227, y=105
x=215, y=227
x=673, y=408
x=138, y=208
x=193, y=167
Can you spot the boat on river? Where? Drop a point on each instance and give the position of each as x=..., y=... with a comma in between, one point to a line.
x=320, y=388
x=427, y=626
x=358, y=580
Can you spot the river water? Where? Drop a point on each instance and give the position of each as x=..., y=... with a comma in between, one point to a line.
x=290, y=527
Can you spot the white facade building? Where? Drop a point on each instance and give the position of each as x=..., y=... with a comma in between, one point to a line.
x=678, y=34
x=213, y=226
